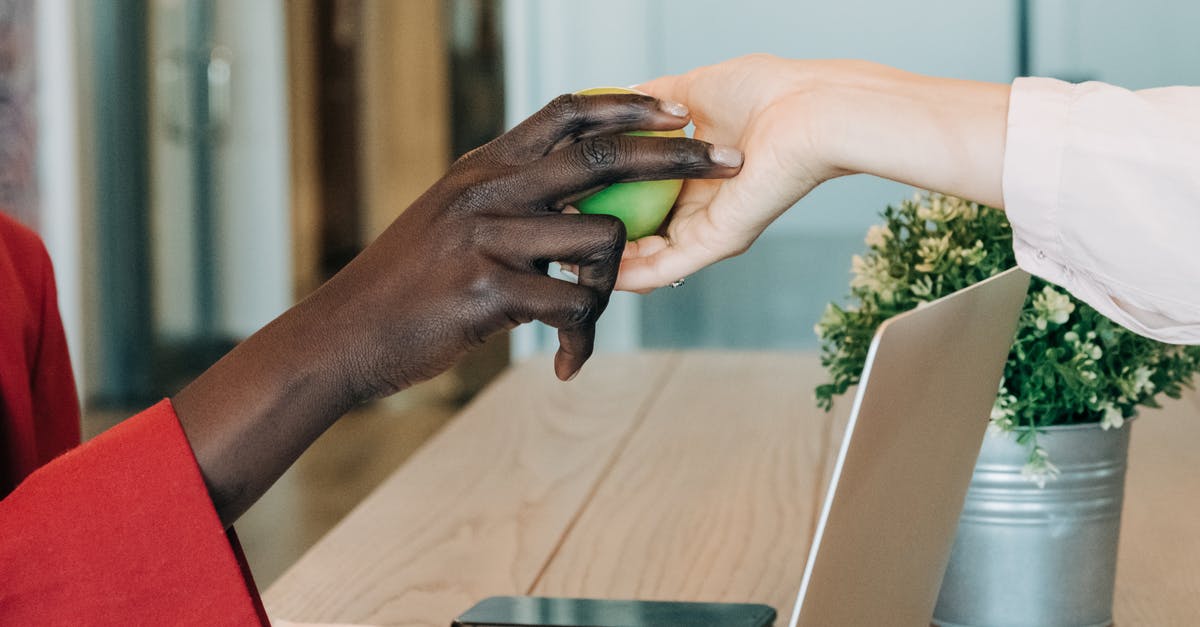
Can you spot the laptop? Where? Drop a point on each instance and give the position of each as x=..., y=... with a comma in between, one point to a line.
x=901, y=476
x=897, y=488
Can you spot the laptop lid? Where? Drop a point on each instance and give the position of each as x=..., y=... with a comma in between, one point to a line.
x=901, y=475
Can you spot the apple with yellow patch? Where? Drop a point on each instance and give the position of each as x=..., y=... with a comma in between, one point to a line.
x=643, y=205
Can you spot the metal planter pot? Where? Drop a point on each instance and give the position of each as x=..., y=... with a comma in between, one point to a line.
x=1030, y=556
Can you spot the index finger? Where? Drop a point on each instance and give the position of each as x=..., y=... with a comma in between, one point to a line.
x=571, y=117
x=568, y=174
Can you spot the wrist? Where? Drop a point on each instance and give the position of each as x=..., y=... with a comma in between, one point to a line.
x=852, y=101
x=329, y=347
x=250, y=415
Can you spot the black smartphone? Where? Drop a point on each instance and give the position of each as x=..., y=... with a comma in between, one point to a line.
x=557, y=612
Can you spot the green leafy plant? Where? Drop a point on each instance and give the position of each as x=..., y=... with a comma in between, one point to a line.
x=1068, y=364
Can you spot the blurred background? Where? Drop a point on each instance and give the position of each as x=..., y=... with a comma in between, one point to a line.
x=196, y=166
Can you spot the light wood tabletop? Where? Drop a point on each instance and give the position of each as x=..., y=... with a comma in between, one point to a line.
x=675, y=476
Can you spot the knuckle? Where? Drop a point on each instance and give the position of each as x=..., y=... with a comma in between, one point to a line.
x=689, y=154
x=565, y=109
x=605, y=241
x=483, y=231
x=477, y=192
x=610, y=241
x=613, y=231
x=597, y=153
x=485, y=293
x=584, y=310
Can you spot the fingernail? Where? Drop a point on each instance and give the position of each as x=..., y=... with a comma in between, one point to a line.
x=573, y=375
x=727, y=156
x=676, y=109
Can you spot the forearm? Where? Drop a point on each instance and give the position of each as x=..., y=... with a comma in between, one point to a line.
x=251, y=415
x=940, y=134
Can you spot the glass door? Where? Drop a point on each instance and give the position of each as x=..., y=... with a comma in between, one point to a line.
x=191, y=186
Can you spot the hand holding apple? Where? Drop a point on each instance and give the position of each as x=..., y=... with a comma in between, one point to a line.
x=643, y=205
x=466, y=260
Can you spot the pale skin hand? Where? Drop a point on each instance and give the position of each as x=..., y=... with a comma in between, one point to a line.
x=801, y=123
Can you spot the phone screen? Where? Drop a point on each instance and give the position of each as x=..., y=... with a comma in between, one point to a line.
x=559, y=612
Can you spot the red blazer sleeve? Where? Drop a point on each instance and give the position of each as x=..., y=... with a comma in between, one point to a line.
x=52, y=383
x=39, y=412
x=121, y=531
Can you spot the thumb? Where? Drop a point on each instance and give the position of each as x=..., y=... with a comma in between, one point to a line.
x=658, y=269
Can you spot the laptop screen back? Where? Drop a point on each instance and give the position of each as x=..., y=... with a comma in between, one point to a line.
x=897, y=489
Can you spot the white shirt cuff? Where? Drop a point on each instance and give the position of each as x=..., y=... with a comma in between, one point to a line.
x=1038, y=111
x=1079, y=161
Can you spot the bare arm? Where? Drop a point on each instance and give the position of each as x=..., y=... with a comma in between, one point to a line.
x=935, y=133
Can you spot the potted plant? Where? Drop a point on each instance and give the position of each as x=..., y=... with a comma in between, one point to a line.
x=1037, y=540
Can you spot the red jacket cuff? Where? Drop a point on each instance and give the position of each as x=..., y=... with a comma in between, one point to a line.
x=122, y=531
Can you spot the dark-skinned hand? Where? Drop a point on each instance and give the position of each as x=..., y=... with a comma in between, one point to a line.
x=466, y=260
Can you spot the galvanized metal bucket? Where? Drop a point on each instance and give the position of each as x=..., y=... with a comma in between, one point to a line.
x=1030, y=556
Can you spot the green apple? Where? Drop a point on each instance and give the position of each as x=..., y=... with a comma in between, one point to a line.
x=642, y=206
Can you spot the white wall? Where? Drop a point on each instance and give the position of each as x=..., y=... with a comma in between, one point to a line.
x=59, y=164
x=1149, y=43
x=250, y=173
x=973, y=40
x=171, y=228
x=253, y=206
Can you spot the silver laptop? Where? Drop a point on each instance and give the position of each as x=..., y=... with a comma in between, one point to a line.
x=901, y=475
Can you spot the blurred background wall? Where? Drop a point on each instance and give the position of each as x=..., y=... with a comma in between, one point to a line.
x=197, y=165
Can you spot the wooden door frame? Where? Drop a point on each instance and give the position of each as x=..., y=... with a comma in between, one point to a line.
x=404, y=109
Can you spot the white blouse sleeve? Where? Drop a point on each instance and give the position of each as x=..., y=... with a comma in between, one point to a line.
x=1102, y=187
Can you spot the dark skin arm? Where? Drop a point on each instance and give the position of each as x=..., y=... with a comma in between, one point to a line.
x=468, y=259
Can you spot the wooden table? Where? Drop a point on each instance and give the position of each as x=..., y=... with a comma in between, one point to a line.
x=682, y=476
